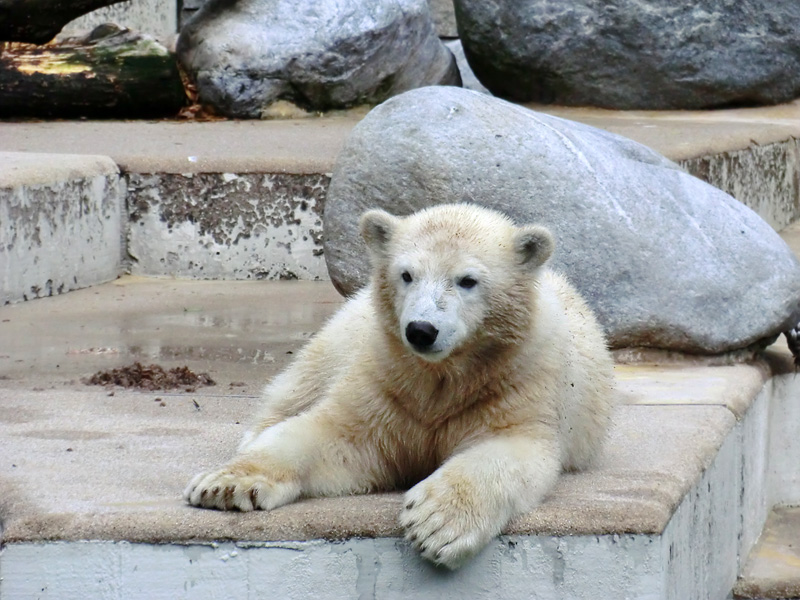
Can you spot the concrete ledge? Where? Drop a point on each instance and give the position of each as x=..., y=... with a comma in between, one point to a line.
x=765, y=178
x=60, y=223
x=156, y=449
x=669, y=511
x=244, y=199
x=358, y=568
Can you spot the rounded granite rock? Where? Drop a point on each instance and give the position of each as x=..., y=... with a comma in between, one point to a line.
x=666, y=260
x=246, y=55
x=635, y=54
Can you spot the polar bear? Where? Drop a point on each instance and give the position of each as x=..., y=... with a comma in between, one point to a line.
x=465, y=370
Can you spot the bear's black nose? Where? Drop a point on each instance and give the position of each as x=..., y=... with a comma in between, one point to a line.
x=421, y=334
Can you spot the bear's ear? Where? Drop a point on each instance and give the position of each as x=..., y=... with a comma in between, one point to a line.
x=377, y=227
x=533, y=245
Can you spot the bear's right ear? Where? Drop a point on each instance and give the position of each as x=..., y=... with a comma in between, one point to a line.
x=377, y=227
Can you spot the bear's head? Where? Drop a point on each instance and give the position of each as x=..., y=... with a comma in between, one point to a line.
x=454, y=277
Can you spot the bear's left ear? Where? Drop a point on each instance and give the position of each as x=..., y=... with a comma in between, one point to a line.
x=377, y=227
x=533, y=245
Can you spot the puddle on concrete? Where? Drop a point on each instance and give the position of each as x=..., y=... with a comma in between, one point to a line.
x=238, y=332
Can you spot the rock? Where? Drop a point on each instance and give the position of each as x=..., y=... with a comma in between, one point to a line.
x=665, y=259
x=444, y=18
x=318, y=55
x=629, y=54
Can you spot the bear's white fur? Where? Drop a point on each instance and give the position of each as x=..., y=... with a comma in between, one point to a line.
x=479, y=417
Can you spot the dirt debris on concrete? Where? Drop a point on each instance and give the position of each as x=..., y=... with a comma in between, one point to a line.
x=151, y=377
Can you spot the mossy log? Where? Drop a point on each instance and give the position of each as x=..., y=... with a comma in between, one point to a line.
x=112, y=73
x=38, y=21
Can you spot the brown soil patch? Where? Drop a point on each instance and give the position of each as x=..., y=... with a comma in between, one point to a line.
x=151, y=377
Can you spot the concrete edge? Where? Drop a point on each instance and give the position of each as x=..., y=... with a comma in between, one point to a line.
x=36, y=169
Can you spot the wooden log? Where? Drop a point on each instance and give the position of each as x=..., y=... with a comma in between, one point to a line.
x=112, y=73
x=38, y=21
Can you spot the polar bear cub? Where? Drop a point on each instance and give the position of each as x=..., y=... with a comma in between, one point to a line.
x=466, y=370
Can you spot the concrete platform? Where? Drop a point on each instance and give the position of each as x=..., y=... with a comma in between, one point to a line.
x=92, y=478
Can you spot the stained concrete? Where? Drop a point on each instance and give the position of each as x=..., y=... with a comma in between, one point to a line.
x=227, y=226
x=241, y=333
x=47, y=202
x=765, y=178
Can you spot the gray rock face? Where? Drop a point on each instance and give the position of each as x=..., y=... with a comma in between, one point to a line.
x=666, y=260
x=635, y=54
x=246, y=54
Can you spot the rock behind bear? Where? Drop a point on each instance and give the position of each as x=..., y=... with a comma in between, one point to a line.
x=246, y=55
x=664, y=259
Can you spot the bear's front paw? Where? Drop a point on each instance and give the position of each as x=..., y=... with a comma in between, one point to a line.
x=227, y=489
x=445, y=522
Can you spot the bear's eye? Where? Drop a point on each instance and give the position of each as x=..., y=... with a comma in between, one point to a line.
x=407, y=277
x=467, y=282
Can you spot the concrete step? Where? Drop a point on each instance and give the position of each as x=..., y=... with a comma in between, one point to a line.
x=244, y=200
x=92, y=478
x=772, y=570
x=61, y=223
x=698, y=455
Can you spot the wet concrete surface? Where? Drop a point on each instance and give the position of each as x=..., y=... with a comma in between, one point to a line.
x=240, y=333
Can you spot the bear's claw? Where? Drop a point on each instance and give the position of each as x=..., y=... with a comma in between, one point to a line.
x=225, y=490
x=442, y=531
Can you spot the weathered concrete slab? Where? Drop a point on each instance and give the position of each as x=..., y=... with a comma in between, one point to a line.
x=765, y=178
x=227, y=225
x=60, y=223
x=732, y=386
x=311, y=145
x=307, y=146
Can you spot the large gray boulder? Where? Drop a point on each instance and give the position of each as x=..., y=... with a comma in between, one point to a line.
x=248, y=54
x=629, y=54
x=665, y=259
